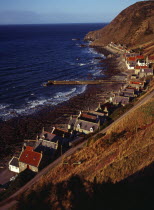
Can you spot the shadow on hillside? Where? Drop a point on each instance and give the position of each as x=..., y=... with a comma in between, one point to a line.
x=135, y=192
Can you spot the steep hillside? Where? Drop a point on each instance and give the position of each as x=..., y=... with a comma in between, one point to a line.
x=133, y=26
x=104, y=162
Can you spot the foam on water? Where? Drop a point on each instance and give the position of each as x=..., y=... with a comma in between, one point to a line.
x=94, y=52
x=82, y=64
x=6, y=112
x=54, y=57
x=3, y=106
x=65, y=94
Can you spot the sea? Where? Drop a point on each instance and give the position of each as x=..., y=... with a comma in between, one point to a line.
x=30, y=55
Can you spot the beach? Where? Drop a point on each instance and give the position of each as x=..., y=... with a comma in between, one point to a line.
x=15, y=130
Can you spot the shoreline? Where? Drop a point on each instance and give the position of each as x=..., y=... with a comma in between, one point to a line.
x=27, y=127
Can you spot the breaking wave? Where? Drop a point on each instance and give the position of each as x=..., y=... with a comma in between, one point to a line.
x=7, y=111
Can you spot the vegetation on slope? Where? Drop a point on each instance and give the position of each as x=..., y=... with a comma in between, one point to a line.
x=133, y=26
x=126, y=149
x=136, y=192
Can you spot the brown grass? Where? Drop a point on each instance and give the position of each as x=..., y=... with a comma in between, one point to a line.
x=116, y=155
x=127, y=148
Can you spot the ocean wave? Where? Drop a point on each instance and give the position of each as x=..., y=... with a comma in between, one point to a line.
x=94, y=62
x=82, y=64
x=3, y=106
x=94, y=52
x=65, y=94
x=27, y=67
x=7, y=112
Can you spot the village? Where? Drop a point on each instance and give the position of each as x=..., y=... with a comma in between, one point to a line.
x=38, y=153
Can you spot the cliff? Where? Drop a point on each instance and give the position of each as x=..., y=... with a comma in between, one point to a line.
x=133, y=26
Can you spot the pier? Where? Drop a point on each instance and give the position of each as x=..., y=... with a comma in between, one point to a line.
x=81, y=82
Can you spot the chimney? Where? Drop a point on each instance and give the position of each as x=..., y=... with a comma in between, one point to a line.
x=99, y=106
x=105, y=109
x=37, y=138
x=80, y=113
x=23, y=147
x=53, y=128
x=43, y=130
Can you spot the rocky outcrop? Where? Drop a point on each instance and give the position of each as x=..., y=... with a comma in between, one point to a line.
x=134, y=25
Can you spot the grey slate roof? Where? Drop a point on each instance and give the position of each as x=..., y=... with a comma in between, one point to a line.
x=150, y=70
x=129, y=94
x=50, y=136
x=85, y=125
x=131, y=54
x=14, y=162
x=121, y=99
x=130, y=90
x=72, y=121
x=132, y=63
x=42, y=145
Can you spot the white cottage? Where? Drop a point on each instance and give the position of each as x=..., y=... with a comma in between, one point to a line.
x=14, y=165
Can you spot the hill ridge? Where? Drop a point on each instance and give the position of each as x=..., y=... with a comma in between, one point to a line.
x=133, y=26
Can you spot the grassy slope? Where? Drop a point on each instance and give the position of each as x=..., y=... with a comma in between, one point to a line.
x=133, y=27
x=126, y=149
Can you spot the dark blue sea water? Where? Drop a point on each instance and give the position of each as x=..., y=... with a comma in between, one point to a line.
x=31, y=55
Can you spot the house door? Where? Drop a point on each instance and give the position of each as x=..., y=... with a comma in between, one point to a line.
x=27, y=166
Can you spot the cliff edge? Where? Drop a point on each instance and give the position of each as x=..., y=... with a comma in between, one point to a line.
x=133, y=26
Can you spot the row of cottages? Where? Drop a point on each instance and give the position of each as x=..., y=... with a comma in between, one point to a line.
x=118, y=99
x=139, y=64
x=87, y=122
x=121, y=47
x=33, y=151
x=149, y=59
x=133, y=61
x=128, y=92
x=137, y=85
x=143, y=71
x=124, y=96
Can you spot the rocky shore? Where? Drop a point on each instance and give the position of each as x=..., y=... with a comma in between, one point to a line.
x=14, y=131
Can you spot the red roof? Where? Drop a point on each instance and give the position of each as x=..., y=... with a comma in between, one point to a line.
x=30, y=157
x=138, y=83
x=141, y=67
x=139, y=57
x=131, y=88
x=131, y=58
x=91, y=117
x=29, y=148
x=151, y=57
x=61, y=132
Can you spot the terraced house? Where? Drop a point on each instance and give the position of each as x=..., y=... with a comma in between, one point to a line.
x=29, y=159
x=85, y=123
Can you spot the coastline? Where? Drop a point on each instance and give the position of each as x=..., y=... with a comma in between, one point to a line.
x=27, y=127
